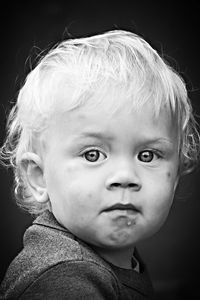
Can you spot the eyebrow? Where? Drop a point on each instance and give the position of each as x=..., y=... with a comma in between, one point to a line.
x=159, y=141
x=106, y=136
x=95, y=134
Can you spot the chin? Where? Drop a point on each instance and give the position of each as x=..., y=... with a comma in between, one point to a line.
x=116, y=243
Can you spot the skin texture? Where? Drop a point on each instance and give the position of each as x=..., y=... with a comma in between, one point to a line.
x=94, y=159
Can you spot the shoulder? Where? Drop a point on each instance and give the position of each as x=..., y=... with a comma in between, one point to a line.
x=52, y=256
x=73, y=280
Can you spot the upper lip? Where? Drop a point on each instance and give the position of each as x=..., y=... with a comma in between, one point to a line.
x=121, y=206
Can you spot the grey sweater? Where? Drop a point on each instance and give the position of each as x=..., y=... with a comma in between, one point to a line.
x=54, y=264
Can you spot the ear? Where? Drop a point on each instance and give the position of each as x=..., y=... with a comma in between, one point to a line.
x=32, y=167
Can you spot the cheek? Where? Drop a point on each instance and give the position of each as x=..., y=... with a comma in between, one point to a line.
x=81, y=207
x=172, y=179
x=168, y=187
x=80, y=195
x=79, y=184
x=169, y=175
x=162, y=194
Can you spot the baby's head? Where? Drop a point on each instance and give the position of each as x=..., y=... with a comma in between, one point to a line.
x=100, y=134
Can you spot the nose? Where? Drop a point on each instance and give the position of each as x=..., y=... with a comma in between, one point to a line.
x=124, y=177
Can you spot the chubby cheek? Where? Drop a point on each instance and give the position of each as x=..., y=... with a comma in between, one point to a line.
x=79, y=198
x=80, y=210
x=62, y=181
x=79, y=193
x=159, y=203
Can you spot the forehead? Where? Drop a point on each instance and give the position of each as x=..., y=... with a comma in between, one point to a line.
x=98, y=121
x=107, y=94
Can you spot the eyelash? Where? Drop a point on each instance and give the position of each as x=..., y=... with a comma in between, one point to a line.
x=153, y=152
x=99, y=153
x=94, y=150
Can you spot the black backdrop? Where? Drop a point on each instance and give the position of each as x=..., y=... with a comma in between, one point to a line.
x=172, y=254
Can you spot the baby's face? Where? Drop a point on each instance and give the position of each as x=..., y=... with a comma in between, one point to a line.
x=111, y=178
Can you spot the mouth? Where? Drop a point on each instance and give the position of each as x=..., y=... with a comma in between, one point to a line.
x=122, y=207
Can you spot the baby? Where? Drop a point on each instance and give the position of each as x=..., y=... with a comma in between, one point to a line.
x=101, y=133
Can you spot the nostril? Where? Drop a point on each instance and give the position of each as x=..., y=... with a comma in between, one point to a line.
x=123, y=179
x=115, y=184
x=124, y=185
x=132, y=185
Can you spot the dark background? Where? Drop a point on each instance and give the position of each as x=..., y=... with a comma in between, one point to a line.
x=173, y=29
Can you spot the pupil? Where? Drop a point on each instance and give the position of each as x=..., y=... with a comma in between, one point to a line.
x=92, y=155
x=146, y=156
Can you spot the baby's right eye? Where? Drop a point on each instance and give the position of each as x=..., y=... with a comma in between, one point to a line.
x=94, y=155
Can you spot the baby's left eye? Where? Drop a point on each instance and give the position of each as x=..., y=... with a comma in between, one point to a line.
x=147, y=156
x=94, y=155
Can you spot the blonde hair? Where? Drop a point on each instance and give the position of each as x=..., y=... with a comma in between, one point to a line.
x=88, y=66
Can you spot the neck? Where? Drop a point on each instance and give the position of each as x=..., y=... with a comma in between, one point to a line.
x=121, y=258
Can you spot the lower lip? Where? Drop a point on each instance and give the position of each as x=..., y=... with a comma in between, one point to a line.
x=122, y=218
x=121, y=212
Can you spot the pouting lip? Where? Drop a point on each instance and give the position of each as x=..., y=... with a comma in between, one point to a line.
x=120, y=206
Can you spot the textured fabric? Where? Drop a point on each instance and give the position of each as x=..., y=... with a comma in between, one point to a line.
x=54, y=264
